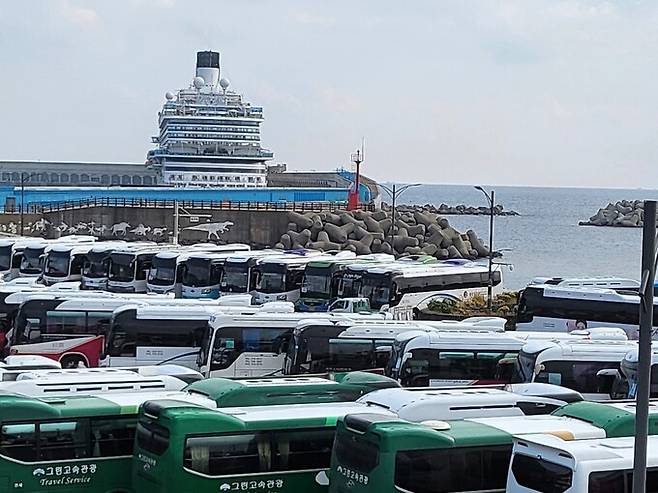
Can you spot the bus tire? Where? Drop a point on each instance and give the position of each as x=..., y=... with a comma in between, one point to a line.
x=73, y=361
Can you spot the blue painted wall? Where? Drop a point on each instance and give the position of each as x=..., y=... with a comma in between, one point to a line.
x=35, y=195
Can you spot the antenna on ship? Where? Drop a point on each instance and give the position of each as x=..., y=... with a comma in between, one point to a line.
x=353, y=195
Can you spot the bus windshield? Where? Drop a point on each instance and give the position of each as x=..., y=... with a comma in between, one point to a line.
x=200, y=273
x=377, y=289
x=31, y=263
x=235, y=278
x=57, y=264
x=96, y=265
x=122, y=268
x=349, y=286
x=5, y=257
x=271, y=282
x=317, y=285
x=163, y=271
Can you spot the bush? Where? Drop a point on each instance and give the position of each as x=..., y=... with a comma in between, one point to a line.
x=503, y=305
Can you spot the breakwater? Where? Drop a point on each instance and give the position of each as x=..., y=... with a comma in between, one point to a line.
x=624, y=213
x=416, y=232
x=456, y=210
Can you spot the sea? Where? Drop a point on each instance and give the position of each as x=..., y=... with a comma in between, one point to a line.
x=545, y=239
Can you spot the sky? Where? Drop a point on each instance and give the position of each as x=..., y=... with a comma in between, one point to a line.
x=518, y=92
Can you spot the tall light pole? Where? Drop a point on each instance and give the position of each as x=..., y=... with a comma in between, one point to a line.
x=395, y=192
x=644, y=347
x=490, y=199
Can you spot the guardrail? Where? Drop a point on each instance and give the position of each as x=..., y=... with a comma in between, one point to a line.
x=68, y=205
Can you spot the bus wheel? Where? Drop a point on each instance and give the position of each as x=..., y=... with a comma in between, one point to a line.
x=73, y=362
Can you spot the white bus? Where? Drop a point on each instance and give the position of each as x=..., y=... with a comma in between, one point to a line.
x=546, y=462
x=129, y=268
x=422, y=404
x=71, y=329
x=148, y=335
x=390, y=285
x=238, y=275
x=96, y=267
x=64, y=263
x=422, y=358
x=318, y=346
x=33, y=253
x=11, y=255
x=589, y=367
x=203, y=274
x=615, y=283
x=46, y=383
x=545, y=307
x=279, y=278
x=251, y=345
x=168, y=267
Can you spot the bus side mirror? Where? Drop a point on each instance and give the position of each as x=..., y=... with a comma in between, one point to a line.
x=539, y=367
x=606, y=379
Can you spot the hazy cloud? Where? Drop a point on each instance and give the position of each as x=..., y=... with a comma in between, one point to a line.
x=540, y=92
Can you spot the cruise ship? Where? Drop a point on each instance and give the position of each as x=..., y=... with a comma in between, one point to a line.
x=209, y=136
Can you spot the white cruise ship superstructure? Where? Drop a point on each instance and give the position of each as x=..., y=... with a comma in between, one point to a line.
x=209, y=136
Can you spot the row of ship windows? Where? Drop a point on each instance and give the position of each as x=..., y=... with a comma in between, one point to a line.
x=76, y=179
x=209, y=136
x=208, y=128
x=212, y=122
x=207, y=178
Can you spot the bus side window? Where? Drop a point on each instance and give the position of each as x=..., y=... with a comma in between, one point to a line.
x=19, y=441
x=303, y=449
x=112, y=437
x=63, y=440
x=228, y=454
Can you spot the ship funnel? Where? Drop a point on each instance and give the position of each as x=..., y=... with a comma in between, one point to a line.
x=207, y=67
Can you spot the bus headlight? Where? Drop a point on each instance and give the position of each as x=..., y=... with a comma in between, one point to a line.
x=281, y=297
x=205, y=291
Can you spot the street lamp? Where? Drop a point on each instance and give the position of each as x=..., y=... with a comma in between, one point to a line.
x=394, y=193
x=490, y=199
x=24, y=177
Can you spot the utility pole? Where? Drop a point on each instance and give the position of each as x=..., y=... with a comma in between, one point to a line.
x=22, y=201
x=644, y=350
x=491, y=200
x=176, y=220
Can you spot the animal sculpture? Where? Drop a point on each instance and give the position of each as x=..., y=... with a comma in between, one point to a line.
x=119, y=228
x=212, y=229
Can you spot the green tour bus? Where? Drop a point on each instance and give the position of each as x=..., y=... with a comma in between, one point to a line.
x=264, y=449
x=379, y=453
x=85, y=443
x=340, y=387
x=70, y=444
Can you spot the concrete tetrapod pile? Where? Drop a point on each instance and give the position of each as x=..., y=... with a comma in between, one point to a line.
x=364, y=232
x=457, y=210
x=625, y=213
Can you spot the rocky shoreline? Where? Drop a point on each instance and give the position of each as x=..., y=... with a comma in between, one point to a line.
x=417, y=232
x=624, y=213
x=456, y=210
